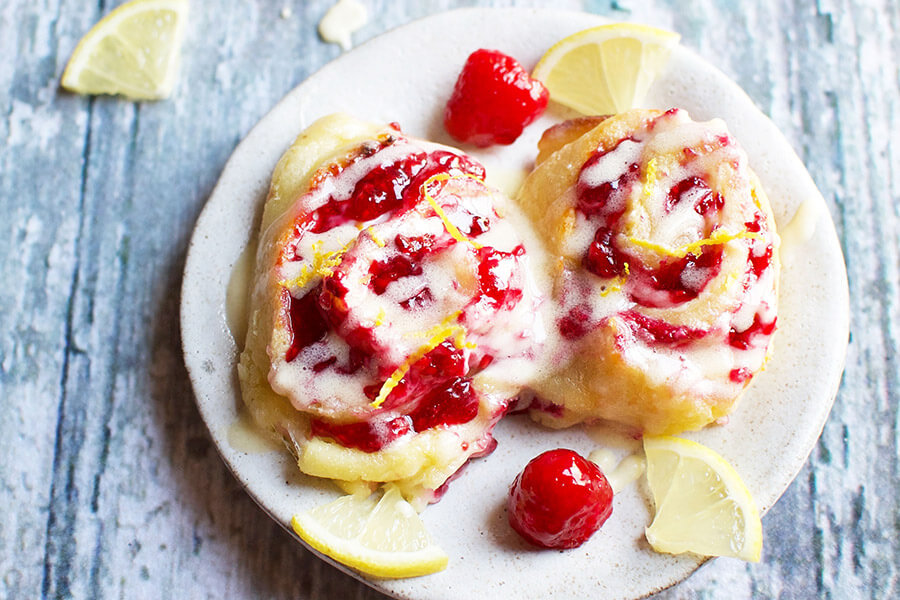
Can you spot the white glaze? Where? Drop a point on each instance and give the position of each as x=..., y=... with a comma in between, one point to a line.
x=801, y=228
x=245, y=436
x=506, y=180
x=627, y=472
x=604, y=458
x=341, y=21
x=619, y=473
x=237, y=294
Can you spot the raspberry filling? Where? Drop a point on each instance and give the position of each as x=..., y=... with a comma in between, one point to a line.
x=388, y=187
x=496, y=291
x=759, y=261
x=696, y=189
x=576, y=323
x=303, y=310
x=675, y=280
x=745, y=339
x=368, y=436
x=452, y=404
x=658, y=331
x=436, y=391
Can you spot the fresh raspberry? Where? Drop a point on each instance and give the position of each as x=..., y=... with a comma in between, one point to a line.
x=493, y=100
x=559, y=500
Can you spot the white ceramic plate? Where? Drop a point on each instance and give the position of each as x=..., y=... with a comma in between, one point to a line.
x=406, y=76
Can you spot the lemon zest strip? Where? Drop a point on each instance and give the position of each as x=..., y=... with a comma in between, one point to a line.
x=617, y=283
x=436, y=336
x=378, y=241
x=718, y=238
x=450, y=227
x=649, y=177
x=323, y=265
x=614, y=286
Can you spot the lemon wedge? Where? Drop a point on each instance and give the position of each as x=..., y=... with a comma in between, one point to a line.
x=382, y=537
x=133, y=51
x=702, y=506
x=606, y=69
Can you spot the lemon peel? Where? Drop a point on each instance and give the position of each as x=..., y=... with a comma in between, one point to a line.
x=617, y=283
x=437, y=335
x=650, y=177
x=718, y=238
x=450, y=227
x=613, y=287
x=323, y=265
x=378, y=241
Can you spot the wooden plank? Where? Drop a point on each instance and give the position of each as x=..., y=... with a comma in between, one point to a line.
x=41, y=198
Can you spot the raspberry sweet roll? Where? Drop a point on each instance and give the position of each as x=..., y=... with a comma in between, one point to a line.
x=394, y=315
x=666, y=270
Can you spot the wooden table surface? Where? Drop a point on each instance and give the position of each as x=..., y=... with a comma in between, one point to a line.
x=109, y=482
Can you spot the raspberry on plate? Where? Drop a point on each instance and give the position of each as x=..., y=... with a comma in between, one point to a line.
x=559, y=500
x=493, y=100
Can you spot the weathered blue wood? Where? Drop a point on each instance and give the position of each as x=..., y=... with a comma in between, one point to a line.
x=109, y=484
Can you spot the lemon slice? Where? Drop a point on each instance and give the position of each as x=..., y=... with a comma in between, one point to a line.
x=702, y=506
x=380, y=537
x=606, y=69
x=133, y=51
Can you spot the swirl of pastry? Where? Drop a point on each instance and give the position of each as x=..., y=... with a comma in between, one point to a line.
x=391, y=301
x=667, y=271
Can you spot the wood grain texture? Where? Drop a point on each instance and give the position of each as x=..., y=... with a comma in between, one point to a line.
x=111, y=486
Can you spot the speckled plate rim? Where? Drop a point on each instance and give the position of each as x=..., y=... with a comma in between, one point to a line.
x=768, y=438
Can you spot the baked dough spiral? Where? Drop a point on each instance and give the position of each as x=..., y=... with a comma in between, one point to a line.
x=666, y=270
x=391, y=305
